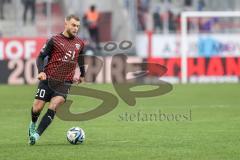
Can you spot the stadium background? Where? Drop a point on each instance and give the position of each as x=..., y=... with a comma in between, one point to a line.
x=154, y=28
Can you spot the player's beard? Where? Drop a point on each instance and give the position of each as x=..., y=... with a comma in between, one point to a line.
x=71, y=35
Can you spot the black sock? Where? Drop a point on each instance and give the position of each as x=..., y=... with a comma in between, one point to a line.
x=45, y=122
x=34, y=116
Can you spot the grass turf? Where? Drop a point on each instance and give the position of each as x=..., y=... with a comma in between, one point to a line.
x=211, y=132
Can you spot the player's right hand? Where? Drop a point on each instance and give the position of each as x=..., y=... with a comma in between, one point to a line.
x=42, y=76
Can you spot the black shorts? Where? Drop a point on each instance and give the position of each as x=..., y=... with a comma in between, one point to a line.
x=47, y=90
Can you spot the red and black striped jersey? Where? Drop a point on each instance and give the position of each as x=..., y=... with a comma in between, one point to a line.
x=63, y=54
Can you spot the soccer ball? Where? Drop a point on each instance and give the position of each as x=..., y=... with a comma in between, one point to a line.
x=75, y=135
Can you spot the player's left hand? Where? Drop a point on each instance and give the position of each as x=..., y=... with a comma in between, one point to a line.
x=78, y=80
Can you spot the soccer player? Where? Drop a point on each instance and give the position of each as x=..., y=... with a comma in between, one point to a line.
x=57, y=62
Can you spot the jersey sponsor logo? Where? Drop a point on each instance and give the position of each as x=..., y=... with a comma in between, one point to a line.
x=78, y=46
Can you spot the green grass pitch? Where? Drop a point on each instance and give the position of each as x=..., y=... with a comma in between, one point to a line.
x=208, y=127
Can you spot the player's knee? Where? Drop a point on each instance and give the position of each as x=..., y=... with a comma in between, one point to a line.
x=56, y=102
x=54, y=105
x=38, y=105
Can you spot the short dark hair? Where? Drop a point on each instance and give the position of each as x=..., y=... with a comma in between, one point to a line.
x=72, y=16
x=93, y=7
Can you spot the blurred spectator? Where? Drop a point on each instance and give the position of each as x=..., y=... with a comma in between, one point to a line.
x=2, y=9
x=142, y=11
x=178, y=23
x=172, y=20
x=157, y=20
x=29, y=4
x=201, y=5
x=140, y=16
x=193, y=24
x=188, y=3
x=91, y=20
x=145, y=4
x=207, y=24
x=126, y=3
x=44, y=9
